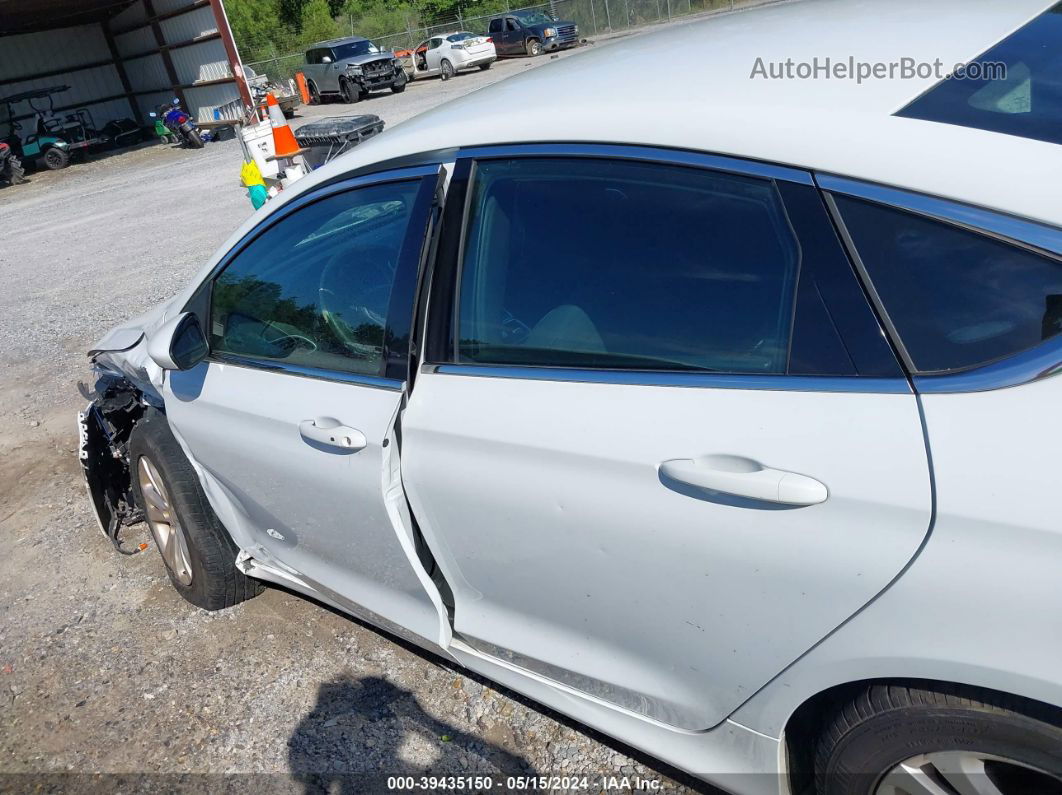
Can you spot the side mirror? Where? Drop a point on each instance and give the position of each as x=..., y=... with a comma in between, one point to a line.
x=325, y=59
x=178, y=344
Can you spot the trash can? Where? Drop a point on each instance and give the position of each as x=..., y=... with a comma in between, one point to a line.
x=330, y=137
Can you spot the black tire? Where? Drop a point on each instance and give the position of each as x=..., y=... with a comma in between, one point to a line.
x=193, y=139
x=14, y=172
x=533, y=48
x=399, y=85
x=56, y=158
x=349, y=90
x=315, y=95
x=446, y=70
x=886, y=724
x=483, y=67
x=216, y=583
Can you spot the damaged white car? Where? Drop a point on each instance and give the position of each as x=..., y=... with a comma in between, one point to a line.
x=735, y=438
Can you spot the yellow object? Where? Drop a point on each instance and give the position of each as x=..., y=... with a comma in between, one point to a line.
x=251, y=175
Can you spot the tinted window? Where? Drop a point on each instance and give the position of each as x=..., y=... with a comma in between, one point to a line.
x=314, y=289
x=621, y=264
x=1025, y=99
x=495, y=26
x=957, y=298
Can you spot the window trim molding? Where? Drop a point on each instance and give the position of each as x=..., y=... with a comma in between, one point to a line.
x=646, y=154
x=202, y=301
x=666, y=378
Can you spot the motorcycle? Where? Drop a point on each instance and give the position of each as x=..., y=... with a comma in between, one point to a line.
x=180, y=125
x=11, y=170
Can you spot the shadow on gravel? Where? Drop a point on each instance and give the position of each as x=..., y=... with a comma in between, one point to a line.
x=360, y=732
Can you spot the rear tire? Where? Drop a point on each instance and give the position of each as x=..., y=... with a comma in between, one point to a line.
x=483, y=67
x=193, y=139
x=889, y=735
x=315, y=95
x=446, y=70
x=212, y=580
x=56, y=158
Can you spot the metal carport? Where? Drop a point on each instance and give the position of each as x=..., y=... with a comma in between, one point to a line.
x=122, y=58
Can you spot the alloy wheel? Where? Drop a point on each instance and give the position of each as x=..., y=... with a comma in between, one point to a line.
x=966, y=773
x=162, y=519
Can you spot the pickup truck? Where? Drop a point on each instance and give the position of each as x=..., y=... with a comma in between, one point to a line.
x=531, y=33
x=350, y=68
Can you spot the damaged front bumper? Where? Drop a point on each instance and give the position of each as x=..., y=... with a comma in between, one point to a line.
x=104, y=427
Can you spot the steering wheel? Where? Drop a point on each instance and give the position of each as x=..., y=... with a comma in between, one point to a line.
x=353, y=292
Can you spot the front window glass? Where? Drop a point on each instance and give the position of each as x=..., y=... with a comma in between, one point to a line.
x=533, y=17
x=958, y=299
x=314, y=289
x=1019, y=92
x=354, y=48
x=580, y=262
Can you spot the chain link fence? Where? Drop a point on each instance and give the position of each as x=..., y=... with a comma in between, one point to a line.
x=594, y=18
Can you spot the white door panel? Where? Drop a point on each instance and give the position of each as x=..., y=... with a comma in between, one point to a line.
x=570, y=554
x=318, y=509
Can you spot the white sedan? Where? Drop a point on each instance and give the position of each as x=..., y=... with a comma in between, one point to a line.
x=720, y=414
x=449, y=53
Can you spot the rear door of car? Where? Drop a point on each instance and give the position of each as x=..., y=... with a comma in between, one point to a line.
x=659, y=443
x=291, y=417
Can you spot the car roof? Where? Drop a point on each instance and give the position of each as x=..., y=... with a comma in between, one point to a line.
x=334, y=42
x=710, y=102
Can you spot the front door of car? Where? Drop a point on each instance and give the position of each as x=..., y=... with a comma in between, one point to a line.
x=434, y=54
x=660, y=446
x=291, y=417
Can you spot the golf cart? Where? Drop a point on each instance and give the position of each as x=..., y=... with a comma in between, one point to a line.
x=52, y=139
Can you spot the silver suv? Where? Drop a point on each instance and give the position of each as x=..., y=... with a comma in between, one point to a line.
x=351, y=68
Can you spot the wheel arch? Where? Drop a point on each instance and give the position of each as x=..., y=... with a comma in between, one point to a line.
x=806, y=723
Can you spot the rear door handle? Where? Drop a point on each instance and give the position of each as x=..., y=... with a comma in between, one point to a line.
x=744, y=477
x=332, y=433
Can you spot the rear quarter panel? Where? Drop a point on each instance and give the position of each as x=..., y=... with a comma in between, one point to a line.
x=982, y=603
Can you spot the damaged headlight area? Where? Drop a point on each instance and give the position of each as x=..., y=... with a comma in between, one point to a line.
x=103, y=429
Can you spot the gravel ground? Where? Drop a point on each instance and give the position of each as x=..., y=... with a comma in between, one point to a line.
x=104, y=669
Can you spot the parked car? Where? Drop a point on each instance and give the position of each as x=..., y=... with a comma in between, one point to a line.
x=531, y=33
x=447, y=54
x=350, y=68
x=728, y=426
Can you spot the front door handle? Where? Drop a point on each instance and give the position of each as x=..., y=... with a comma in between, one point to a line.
x=743, y=477
x=332, y=433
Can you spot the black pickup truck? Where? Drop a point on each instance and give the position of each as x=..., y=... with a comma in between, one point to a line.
x=531, y=33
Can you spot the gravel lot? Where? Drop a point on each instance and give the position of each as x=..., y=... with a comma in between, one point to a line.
x=104, y=669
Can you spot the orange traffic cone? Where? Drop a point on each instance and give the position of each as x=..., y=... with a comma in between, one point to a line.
x=283, y=139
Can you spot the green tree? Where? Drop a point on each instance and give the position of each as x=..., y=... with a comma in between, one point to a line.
x=255, y=25
x=317, y=22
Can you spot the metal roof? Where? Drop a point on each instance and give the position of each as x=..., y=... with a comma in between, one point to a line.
x=27, y=16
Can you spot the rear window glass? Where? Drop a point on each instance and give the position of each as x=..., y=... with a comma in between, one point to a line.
x=1019, y=90
x=958, y=299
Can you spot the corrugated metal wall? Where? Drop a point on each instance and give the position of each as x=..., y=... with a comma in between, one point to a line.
x=52, y=50
x=73, y=48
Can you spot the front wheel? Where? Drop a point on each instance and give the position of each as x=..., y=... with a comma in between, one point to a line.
x=315, y=95
x=534, y=48
x=926, y=739
x=446, y=70
x=350, y=91
x=56, y=158
x=194, y=139
x=199, y=556
x=399, y=85
x=13, y=171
